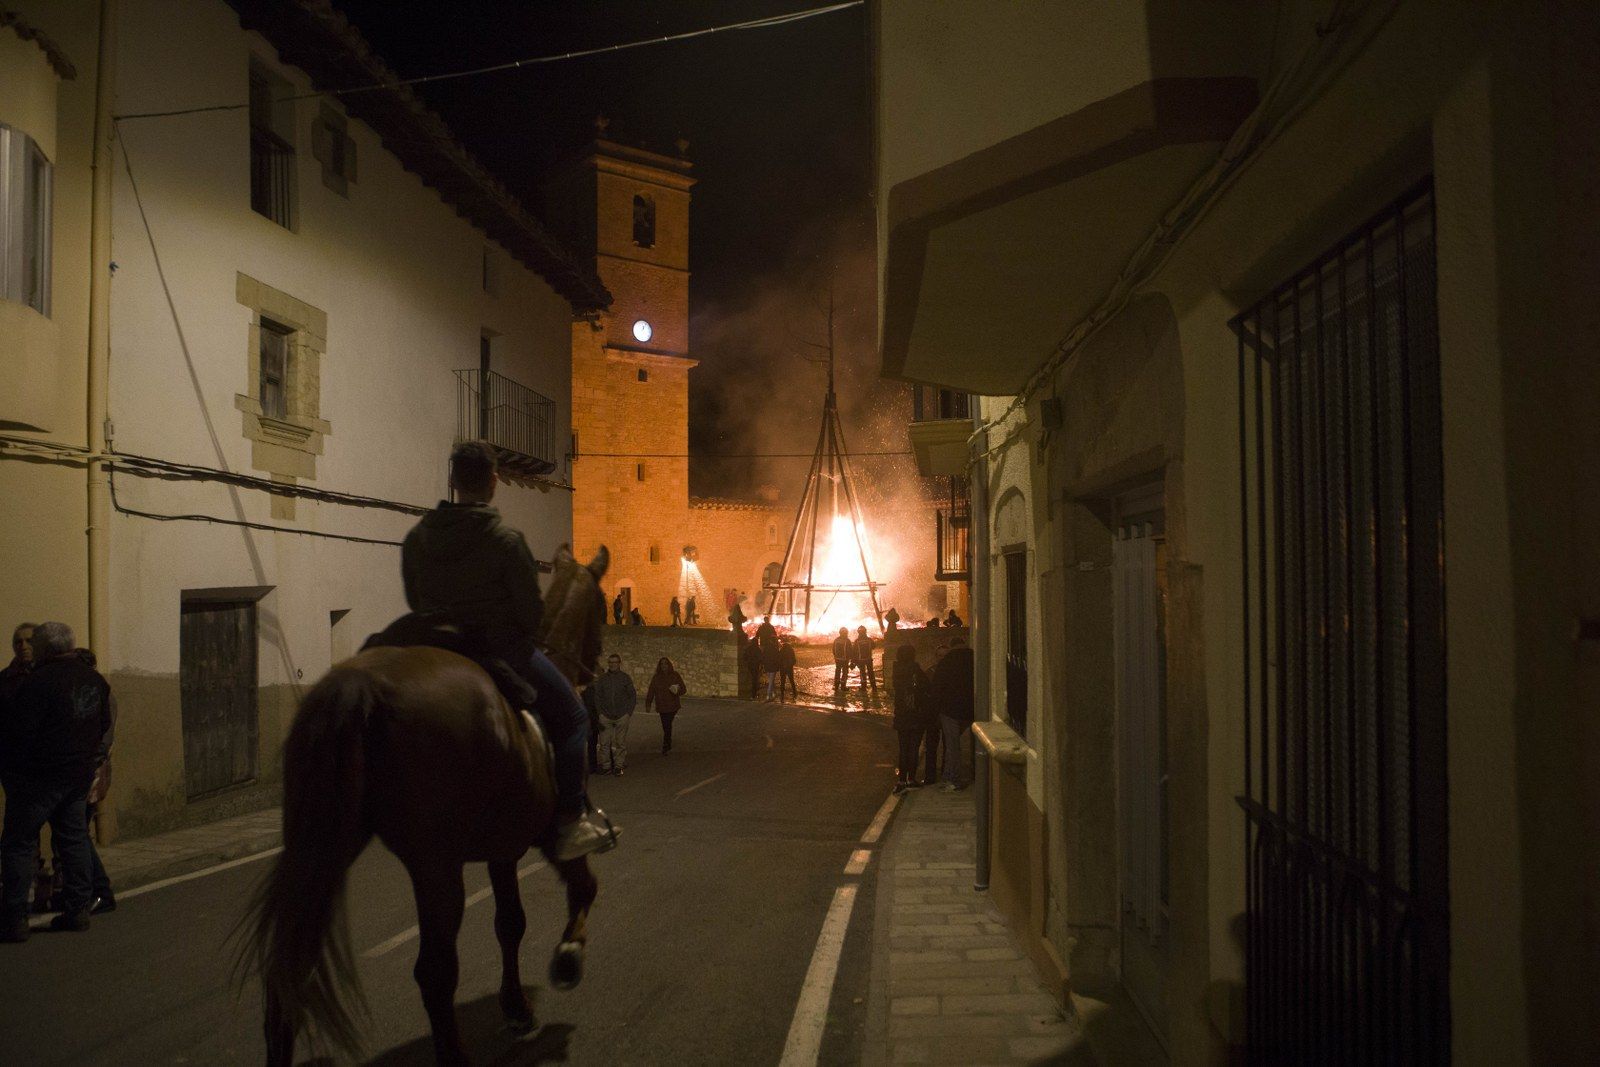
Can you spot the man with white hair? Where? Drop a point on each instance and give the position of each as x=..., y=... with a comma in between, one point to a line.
x=50, y=739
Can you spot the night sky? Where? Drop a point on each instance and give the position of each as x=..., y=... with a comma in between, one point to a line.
x=778, y=126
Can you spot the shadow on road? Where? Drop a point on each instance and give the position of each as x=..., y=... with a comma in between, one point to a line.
x=488, y=1040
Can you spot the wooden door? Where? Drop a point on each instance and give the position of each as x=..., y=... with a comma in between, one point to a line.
x=217, y=672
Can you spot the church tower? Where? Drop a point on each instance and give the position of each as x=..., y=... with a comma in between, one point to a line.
x=629, y=208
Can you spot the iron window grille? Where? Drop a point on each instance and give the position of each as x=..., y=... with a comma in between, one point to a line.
x=271, y=155
x=952, y=532
x=1341, y=513
x=274, y=358
x=929, y=403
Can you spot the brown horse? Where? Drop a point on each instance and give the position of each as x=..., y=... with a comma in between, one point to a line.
x=417, y=747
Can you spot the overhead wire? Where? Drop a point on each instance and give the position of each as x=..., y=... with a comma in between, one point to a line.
x=517, y=64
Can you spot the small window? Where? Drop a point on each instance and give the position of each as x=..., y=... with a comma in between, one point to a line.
x=772, y=534
x=655, y=553
x=644, y=221
x=644, y=375
x=271, y=147
x=26, y=177
x=332, y=147
x=274, y=370
x=638, y=471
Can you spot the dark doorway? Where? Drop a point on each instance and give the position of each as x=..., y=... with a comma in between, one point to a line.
x=217, y=691
x=1017, y=641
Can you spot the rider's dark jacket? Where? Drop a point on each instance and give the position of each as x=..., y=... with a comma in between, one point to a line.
x=463, y=561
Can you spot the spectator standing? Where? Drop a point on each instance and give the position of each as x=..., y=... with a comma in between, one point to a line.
x=952, y=619
x=691, y=614
x=616, y=609
x=50, y=739
x=677, y=612
x=786, y=660
x=665, y=696
x=750, y=657
x=21, y=658
x=861, y=656
x=910, y=714
x=615, y=698
x=891, y=620
x=768, y=649
x=952, y=688
x=635, y=618
x=737, y=619
x=842, y=648
x=100, y=895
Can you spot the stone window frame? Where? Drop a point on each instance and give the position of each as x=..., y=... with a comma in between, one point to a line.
x=286, y=449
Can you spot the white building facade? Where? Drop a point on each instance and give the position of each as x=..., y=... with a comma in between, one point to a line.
x=300, y=322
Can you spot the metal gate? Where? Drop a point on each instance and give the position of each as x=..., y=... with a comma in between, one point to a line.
x=217, y=690
x=1340, y=478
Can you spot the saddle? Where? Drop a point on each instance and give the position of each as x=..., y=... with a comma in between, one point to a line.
x=436, y=629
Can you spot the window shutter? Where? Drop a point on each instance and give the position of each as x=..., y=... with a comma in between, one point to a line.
x=349, y=157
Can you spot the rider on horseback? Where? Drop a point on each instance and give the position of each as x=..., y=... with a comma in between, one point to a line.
x=463, y=562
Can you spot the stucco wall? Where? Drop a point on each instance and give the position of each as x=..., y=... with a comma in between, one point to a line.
x=398, y=276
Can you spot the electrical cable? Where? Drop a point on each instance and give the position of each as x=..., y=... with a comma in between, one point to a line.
x=516, y=64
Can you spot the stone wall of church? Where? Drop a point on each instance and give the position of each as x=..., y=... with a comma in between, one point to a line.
x=736, y=542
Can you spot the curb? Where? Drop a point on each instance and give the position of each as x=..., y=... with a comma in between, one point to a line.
x=128, y=878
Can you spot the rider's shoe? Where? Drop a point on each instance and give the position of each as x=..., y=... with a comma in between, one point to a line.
x=581, y=837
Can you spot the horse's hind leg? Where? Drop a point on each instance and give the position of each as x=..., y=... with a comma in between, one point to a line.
x=440, y=902
x=566, y=967
x=510, y=923
x=280, y=1035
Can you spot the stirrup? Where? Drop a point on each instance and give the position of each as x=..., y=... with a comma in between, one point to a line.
x=610, y=830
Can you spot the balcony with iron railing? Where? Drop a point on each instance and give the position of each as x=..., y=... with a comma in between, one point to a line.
x=516, y=420
x=941, y=422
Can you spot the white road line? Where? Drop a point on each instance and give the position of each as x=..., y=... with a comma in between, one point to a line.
x=880, y=820
x=192, y=875
x=407, y=934
x=804, y=1043
x=697, y=785
x=858, y=861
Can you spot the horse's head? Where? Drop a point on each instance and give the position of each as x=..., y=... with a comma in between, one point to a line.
x=575, y=614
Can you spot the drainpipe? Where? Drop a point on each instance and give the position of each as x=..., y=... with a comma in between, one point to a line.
x=978, y=510
x=100, y=335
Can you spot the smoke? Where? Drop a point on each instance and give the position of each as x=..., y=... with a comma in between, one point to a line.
x=759, y=392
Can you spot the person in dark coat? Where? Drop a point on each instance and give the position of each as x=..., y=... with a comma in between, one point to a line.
x=676, y=610
x=461, y=561
x=786, y=662
x=635, y=618
x=891, y=620
x=750, y=659
x=951, y=685
x=50, y=740
x=665, y=697
x=910, y=714
x=952, y=619
x=861, y=659
x=767, y=648
x=691, y=613
x=616, y=609
x=737, y=619
x=841, y=660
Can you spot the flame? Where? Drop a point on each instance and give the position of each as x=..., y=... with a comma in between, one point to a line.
x=839, y=555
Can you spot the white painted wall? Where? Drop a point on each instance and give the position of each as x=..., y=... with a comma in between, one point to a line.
x=398, y=273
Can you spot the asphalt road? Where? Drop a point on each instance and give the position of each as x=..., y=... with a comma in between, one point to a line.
x=706, y=923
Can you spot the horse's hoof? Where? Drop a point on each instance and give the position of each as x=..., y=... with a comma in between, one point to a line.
x=566, y=966
x=518, y=1014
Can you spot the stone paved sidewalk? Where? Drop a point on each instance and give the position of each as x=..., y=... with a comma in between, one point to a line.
x=143, y=860
x=949, y=982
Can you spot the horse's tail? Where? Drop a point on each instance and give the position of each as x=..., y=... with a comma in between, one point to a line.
x=297, y=938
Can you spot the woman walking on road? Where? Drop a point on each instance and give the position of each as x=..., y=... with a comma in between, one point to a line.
x=910, y=714
x=665, y=696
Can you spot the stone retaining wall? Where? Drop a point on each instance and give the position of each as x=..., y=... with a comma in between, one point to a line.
x=708, y=659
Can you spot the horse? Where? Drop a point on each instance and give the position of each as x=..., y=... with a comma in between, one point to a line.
x=417, y=747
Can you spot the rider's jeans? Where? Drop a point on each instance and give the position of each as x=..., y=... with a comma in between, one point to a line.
x=567, y=724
